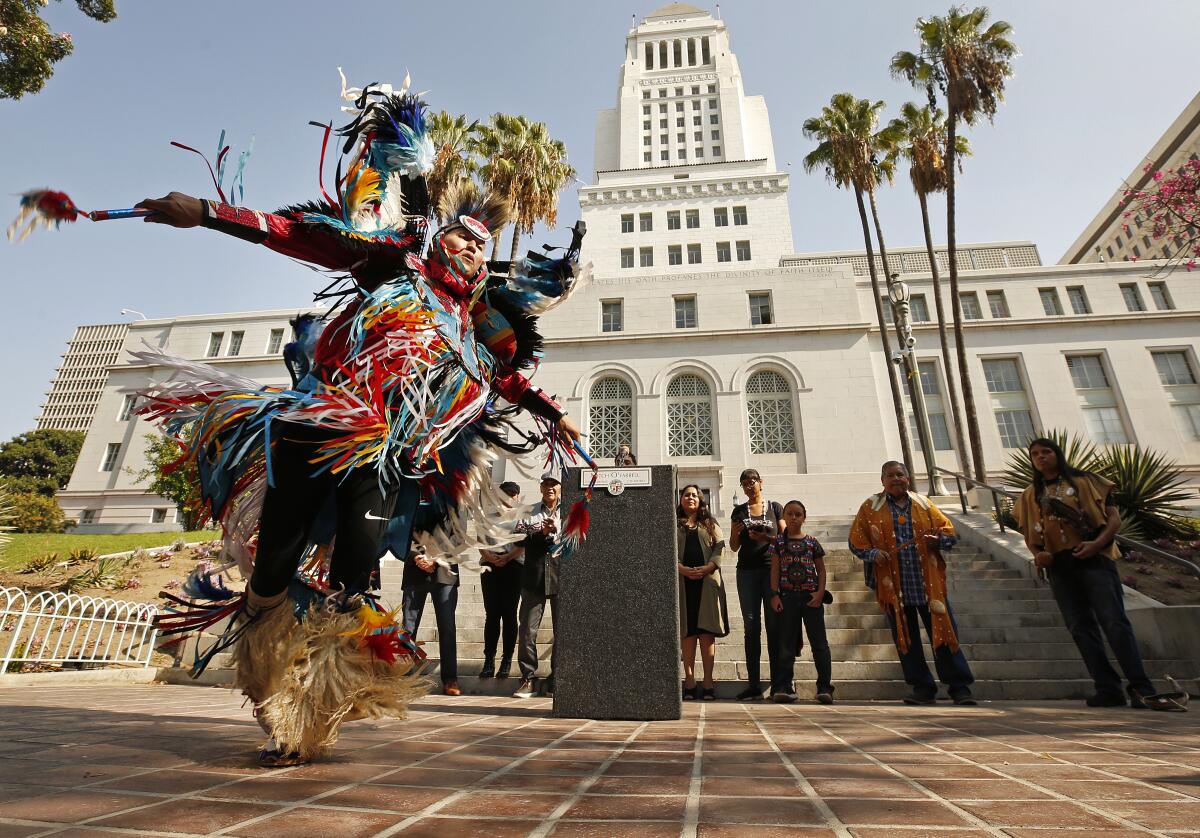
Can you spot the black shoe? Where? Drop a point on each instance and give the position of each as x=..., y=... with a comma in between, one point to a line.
x=689, y=693
x=505, y=669
x=1136, y=699
x=784, y=697
x=963, y=700
x=920, y=699
x=548, y=688
x=489, y=669
x=752, y=693
x=708, y=693
x=825, y=697
x=1106, y=700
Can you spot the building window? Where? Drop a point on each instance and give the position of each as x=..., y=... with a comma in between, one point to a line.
x=934, y=408
x=647, y=157
x=610, y=416
x=712, y=88
x=679, y=123
x=646, y=257
x=662, y=123
x=721, y=217
x=918, y=309
x=158, y=516
x=695, y=104
x=664, y=155
x=695, y=120
x=695, y=89
x=662, y=138
x=627, y=257
x=969, y=301
x=88, y=516
x=1179, y=380
x=1101, y=416
x=673, y=220
x=689, y=417
x=612, y=316
x=693, y=219
x=1010, y=404
x=681, y=137
x=627, y=223
x=214, y=344
x=693, y=254
x=998, y=304
x=674, y=254
x=235, y=343
x=1132, y=297
x=760, y=308
x=1158, y=293
x=698, y=136
x=723, y=252
x=110, y=456
x=650, y=63
x=645, y=222
x=127, y=408
x=699, y=152
x=712, y=119
x=716, y=135
x=739, y=216
x=645, y=110
x=743, y=251
x=685, y=312
x=1051, y=305
x=682, y=154
x=275, y=341
x=679, y=106
x=1079, y=300
x=769, y=414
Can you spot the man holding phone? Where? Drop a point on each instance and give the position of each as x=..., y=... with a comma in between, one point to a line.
x=539, y=583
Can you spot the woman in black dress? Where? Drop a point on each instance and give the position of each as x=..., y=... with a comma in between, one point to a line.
x=702, y=611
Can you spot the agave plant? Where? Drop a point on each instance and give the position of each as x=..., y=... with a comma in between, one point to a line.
x=40, y=564
x=1150, y=492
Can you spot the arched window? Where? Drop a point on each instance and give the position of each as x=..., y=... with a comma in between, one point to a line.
x=689, y=417
x=769, y=412
x=610, y=416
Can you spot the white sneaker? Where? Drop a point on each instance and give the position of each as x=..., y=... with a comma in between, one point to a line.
x=525, y=690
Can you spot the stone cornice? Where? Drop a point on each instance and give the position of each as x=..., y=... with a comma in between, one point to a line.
x=680, y=79
x=711, y=187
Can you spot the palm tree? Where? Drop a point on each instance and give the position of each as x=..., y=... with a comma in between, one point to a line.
x=847, y=149
x=922, y=135
x=454, y=138
x=527, y=166
x=968, y=65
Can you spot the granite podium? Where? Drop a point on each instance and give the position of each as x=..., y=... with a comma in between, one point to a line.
x=617, y=627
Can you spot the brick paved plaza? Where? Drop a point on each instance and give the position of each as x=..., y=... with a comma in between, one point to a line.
x=149, y=760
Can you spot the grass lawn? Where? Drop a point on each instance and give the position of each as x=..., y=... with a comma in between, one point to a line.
x=25, y=546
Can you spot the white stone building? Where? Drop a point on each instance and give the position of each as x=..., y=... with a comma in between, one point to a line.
x=721, y=349
x=1110, y=236
x=79, y=381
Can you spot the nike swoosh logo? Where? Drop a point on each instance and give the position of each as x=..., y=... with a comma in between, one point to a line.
x=371, y=517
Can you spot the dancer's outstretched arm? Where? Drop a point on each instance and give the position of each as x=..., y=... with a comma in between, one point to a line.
x=283, y=235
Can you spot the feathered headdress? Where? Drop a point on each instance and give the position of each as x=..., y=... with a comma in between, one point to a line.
x=381, y=195
x=483, y=214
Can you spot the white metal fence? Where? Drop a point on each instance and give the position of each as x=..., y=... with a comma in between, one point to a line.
x=50, y=627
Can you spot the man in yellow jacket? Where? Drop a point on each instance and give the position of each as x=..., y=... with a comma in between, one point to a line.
x=900, y=536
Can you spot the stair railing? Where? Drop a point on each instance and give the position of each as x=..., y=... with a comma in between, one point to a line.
x=1130, y=543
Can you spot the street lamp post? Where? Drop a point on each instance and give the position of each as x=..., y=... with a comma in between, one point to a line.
x=901, y=298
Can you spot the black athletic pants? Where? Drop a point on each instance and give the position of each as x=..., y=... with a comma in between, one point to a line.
x=298, y=496
x=501, y=595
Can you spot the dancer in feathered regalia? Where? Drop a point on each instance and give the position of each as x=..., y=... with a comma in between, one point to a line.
x=390, y=428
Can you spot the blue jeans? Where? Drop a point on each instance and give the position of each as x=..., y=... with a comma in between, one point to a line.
x=1090, y=598
x=754, y=596
x=797, y=613
x=952, y=667
x=445, y=600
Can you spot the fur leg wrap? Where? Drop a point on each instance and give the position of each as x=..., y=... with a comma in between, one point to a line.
x=327, y=678
x=262, y=655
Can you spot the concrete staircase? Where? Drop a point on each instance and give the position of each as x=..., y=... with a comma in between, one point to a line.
x=1009, y=626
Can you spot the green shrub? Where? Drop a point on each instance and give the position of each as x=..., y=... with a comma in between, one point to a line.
x=80, y=555
x=41, y=564
x=36, y=513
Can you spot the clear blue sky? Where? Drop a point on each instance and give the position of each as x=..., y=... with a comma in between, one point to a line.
x=1097, y=83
